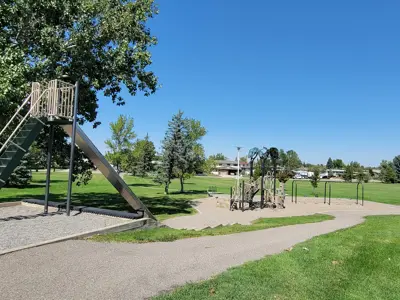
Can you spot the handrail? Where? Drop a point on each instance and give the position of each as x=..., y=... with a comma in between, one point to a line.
x=22, y=121
x=16, y=113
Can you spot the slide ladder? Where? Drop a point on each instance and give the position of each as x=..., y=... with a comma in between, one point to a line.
x=54, y=103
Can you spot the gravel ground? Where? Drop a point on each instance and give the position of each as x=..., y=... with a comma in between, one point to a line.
x=35, y=229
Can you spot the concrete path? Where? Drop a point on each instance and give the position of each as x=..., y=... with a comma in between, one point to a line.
x=214, y=211
x=89, y=270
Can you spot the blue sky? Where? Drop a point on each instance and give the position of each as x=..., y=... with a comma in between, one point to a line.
x=319, y=77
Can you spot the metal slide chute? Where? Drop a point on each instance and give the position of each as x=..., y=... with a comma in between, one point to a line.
x=90, y=150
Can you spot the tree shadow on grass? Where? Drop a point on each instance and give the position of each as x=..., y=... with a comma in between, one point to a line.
x=43, y=181
x=195, y=192
x=143, y=185
x=161, y=204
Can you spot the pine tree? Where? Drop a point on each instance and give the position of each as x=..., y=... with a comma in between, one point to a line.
x=396, y=165
x=182, y=154
x=329, y=164
x=21, y=175
x=172, y=149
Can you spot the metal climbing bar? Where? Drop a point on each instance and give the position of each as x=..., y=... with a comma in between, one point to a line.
x=362, y=193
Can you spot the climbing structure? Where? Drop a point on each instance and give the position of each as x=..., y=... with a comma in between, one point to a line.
x=55, y=104
x=243, y=193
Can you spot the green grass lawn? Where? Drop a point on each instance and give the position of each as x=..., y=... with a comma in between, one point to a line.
x=357, y=263
x=100, y=193
x=170, y=234
x=378, y=192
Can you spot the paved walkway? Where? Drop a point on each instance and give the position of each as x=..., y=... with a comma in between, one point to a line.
x=214, y=212
x=89, y=270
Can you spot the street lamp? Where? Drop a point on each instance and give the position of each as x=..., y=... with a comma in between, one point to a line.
x=238, y=165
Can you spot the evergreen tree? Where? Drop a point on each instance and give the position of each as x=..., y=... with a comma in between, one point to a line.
x=396, y=165
x=329, y=164
x=182, y=153
x=21, y=175
x=172, y=149
x=338, y=164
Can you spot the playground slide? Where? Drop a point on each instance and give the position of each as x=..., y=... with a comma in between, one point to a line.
x=86, y=145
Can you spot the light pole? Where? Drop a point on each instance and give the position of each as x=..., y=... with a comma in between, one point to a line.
x=238, y=166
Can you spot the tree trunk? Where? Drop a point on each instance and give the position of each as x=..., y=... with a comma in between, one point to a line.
x=181, y=180
x=166, y=189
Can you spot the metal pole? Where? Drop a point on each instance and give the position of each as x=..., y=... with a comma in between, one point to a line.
x=71, y=159
x=274, y=180
x=296, y=193
x=330, y=191
x=362, y=194
x=325, y=192
x=262, y=183
x=238, y=166
x=242, y=196
x=357, y=193
x=293, y=189
x=48, y=172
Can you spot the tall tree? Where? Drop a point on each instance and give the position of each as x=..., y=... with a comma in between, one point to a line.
x=121, y=141
x=338, y=164
x=293, y=160
x=103, y=44
x=243, y=159
x=172, y=148
x=182, y=152
x=192, y=154
x=348, y=174
x=145, y=152
x=218, y=156
x=396, y=165
x=329, y=164
x=283, y=159
x=388, y=173
x=209, y=165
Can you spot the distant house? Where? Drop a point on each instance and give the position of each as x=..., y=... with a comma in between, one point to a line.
x=245, y=168
x=336, y=172
x=226, y=167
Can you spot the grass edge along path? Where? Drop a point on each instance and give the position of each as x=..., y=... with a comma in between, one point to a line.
x=362, y=262
x=166, y=234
